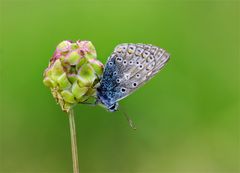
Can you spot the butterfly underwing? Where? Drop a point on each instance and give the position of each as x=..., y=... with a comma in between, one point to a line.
x=129, y=67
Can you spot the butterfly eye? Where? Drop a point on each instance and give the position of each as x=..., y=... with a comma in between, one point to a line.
x=141, y=66
x=124, y=62
x=131, y=62
x=134, y=84
x=137, y=62
x=118, y=80
x=115, y=73
x=110, y=63
x=123, y=90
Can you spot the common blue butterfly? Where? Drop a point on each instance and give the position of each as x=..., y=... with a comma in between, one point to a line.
x=129, y=67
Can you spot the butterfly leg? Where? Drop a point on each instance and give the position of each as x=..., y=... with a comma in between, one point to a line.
x=90, y=103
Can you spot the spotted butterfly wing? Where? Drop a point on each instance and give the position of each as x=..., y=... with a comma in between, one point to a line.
x=129, y=67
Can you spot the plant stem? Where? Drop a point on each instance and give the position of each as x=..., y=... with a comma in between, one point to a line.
x=73, y=141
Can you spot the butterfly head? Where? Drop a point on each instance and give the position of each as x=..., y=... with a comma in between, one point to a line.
x=110, y=106
x=113, y=107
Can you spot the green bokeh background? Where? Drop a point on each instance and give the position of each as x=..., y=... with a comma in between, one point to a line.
x=187, y=117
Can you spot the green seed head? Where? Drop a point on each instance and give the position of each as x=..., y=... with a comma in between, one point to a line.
x=73, y=73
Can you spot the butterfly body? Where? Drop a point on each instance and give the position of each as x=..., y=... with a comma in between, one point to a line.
x=129, y=67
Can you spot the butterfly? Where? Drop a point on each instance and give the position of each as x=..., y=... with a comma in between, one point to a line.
x=128, y=68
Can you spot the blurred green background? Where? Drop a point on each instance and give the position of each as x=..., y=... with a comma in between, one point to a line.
x=187, y=117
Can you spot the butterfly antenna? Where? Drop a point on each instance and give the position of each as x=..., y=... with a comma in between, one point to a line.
x=130, y=122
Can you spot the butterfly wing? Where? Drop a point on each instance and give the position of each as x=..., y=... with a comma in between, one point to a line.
x=129, y=67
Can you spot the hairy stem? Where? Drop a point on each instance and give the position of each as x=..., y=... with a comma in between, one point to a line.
x=73, y=141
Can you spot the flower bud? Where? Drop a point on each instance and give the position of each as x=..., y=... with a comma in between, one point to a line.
x=73, y=73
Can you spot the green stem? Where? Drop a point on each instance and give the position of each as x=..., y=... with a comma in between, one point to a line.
x=73, y=141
